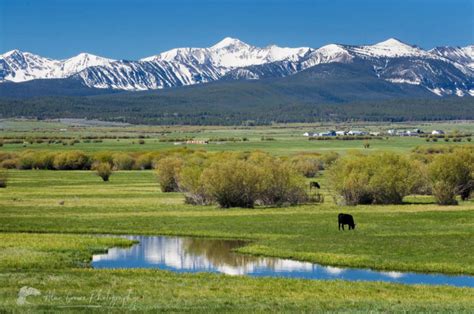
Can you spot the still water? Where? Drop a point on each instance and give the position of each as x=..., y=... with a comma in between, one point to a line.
x=183, y=254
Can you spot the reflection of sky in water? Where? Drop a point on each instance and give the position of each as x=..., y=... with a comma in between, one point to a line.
x=205, y=255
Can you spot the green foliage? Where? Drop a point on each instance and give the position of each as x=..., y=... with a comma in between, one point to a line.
x=280, y=183
x=329, y=158
x=232, y=183
x=103, y=170
x=307, y=165
x=451, y=175
x=103, y=156
x=167, y=171
x=72, y=160
x=380, y=178
x=144, y=161
x=123, y=161
x=241, y=180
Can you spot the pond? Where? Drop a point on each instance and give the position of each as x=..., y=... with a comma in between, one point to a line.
x=184, y=254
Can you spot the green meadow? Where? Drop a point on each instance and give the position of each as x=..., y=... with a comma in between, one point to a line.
x=285, y=139
x=49, y=222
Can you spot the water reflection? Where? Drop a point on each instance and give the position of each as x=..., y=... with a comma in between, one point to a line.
x=182, y=254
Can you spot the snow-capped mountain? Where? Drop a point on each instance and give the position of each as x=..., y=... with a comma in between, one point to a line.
x=231, y=53
x=391, y=60
x=442, y=70
x=17, y=66
x=462, y=55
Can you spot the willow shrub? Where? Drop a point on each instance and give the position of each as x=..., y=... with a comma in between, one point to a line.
x=451, y=175
x=232, y=183
x=72, y=160
x=381, y=178
x=241, y=180
x=307, y=165
x=167, y=171
x=103, y=170
x=123, y=161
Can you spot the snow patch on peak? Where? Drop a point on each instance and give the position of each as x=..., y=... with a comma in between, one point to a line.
x=332, y=49
x=391, y=48
x=391, y=42
x=10, y=53
x=80, y=62
x=327, y=54
x=229, y=42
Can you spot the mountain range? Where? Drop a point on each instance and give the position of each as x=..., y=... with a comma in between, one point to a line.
x=392, y=65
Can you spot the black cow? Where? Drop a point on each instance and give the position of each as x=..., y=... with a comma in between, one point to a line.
x=314, y=184
x=346, y=219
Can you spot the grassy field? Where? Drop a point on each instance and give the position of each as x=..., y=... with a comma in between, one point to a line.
x=288, y=138
x=47, y=246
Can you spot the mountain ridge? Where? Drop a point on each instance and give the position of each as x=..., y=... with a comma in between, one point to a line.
x=442, y=70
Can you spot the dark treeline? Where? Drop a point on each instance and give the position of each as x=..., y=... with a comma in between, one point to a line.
x=164, y=110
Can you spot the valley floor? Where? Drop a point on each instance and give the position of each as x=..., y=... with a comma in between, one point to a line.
x=48, y=247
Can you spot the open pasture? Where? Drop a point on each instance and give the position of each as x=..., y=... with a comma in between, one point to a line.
x=47, y=245
x=50, y=222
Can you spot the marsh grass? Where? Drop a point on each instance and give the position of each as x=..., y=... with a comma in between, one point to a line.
x=421, y=237
x=48, y=247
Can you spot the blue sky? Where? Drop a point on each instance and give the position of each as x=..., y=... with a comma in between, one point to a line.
x=135, y=29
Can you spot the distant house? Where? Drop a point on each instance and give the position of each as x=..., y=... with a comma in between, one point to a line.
x=355, y=132
x=392, y=132
x=437, y=132
x=328, y=133
x=412, y=132
x=197, y=142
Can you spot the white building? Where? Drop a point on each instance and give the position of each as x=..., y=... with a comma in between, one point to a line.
x=392, y=132
x=355, y=132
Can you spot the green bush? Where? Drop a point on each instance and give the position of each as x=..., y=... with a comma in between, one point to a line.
x=36, y=160
x=307, y=165
x=451, y=175
x=73, y=160
x=103, y=170
x=9, y=163
x=123, y=161
x=103, y=157
x=281, y=184
x=329, y=158
x=144, y=161
x=232, y=183
x=167, y=171
x=381, y=178
x=241, y=180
